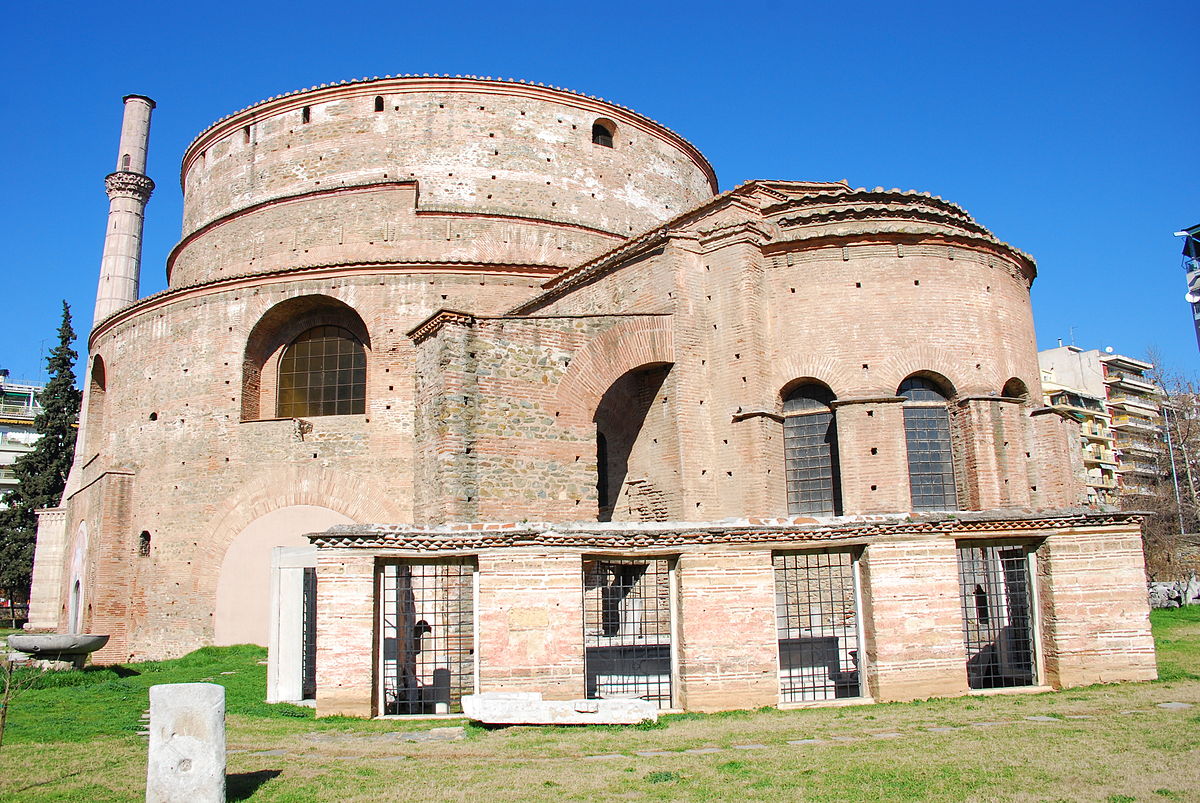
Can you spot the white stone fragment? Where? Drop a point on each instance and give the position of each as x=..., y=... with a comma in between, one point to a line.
x=187, y=743
x=528, y=708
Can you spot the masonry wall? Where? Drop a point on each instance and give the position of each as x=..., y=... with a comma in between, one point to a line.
x=199, y=473
x=500, y=151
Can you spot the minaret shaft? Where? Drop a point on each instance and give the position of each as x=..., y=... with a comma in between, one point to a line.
x=128, y=190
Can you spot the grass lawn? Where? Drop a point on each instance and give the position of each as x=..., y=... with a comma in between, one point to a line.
x=77, y=740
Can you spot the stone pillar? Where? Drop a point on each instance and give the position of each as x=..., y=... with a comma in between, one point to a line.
x=346, y=617
x=187, y=743
x=727, y=641
x=530, y=614
x=1094, y=608
x=285, y=640
x=128, y=190
x=45, y=595
x=912, y=618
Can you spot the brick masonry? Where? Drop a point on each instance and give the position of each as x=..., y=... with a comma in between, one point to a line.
x=519, y=290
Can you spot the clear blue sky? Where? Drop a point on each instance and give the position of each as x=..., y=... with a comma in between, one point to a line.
x=1066, y=128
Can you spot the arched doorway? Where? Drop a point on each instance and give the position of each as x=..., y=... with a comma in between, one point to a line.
x=243, y=586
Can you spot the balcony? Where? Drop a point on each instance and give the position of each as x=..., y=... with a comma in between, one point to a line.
x=1124, y=379
x=1135, y=404
x=1095, y=433
x=1134, y=423
x=23, y=412
x=1099, y=457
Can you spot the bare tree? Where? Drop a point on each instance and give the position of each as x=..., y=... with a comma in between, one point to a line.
x=1172, y=502
x=13, y=681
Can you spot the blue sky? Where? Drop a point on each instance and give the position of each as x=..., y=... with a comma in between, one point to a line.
x=1066, y=128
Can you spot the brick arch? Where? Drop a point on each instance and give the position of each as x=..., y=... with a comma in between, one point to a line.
x=351, y=495
x=278, y=326
x=828, y=371
x=958, y=369
x=630, y=344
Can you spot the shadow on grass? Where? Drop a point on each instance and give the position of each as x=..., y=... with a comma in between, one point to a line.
x=241, y=785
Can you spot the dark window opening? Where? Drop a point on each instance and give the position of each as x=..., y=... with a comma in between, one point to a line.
x=378, y=103
x=927, y=438
x=306, y=114
x=997, y=606
x=125, y=162
x=246, y=135
x=602, y=134
x=811, y=452
x=627, y=629
x=602, y=471
x=144, y=544
x=816, y=616
x=322, y=372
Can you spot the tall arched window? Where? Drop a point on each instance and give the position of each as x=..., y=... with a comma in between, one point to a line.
x=322, y=372
x=810, y=451
x=927, y=435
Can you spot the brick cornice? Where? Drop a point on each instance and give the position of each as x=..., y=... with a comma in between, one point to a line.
x=511, y=536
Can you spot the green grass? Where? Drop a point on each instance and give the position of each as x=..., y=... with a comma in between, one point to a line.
x=1177, y=639
x=76, y=706
x=73, y=738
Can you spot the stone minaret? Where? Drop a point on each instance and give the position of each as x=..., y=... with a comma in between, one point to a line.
x=128, y=189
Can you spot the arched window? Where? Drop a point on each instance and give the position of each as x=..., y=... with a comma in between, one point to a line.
x=379, y=103
x=322, y=372
x=603, y=133
x=125, y=160
x=927, y=435
x=810, y=451
x=1015, y=389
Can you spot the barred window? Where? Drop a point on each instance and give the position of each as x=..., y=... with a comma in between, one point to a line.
x=602, y=133
x=322, y=372
x=927, y=436
x=810, y=452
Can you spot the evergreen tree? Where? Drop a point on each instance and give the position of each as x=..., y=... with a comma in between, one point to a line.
x=41, y=473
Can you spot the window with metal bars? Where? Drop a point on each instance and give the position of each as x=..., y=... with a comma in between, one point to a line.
x=997, y=606
x=627, y=606
x=308, y=630
x=816, y=615
x=927, y=438
x=810, y=452
x=428, y=633
x=322, y=372
x=602, y=134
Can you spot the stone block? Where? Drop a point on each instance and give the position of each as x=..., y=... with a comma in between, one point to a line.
x=528, y=708
x=187, y=743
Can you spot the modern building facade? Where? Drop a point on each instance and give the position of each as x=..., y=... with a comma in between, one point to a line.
x=19, y=407
x=557, y=415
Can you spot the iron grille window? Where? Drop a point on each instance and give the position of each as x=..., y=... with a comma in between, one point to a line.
x=627, y=628
x=816, y=614
x=428, y=635
x=997, y=622
x=811, y=452
x=322, y=372
x=308, y=629
x=927, y=436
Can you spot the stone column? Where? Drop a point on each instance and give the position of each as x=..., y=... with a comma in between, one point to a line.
x=128, y=190
x=187, y=743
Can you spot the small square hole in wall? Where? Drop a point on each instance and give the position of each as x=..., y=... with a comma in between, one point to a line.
x=870, y=413
x=858, y=284
x=874, y=450
x=874, y=487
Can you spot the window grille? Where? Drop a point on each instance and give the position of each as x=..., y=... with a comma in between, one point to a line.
x=322, y=372
x=627, y=629
x=428, y=632
x=811, y=452
x=816, y=605
x=601, y=135
x=308, y=629
x=927, y=437
x=997, y=615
